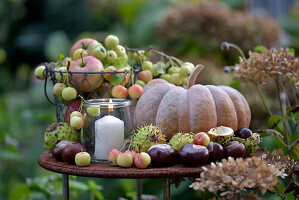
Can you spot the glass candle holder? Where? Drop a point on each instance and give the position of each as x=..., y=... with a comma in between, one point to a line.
x=107, y=125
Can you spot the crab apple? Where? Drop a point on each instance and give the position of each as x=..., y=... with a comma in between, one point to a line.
x=124, y=160
x=76, y=113
x=87, y=44
x=112, y=156
x=140, y=82
x=120, y=50
x=111, y=41
x=93, y=111
x=99, y=52
x=82, y=159
x=147, y=65
x=176, y=79
x=39, y=72
x=142, y=160
x=86, y=64
x=135, y=91
x=173, y=70
x=189, y=64
x=145, y=76
x=57, y=89
x=61, y=72
x=139, y=55
x=201, y=138
x=79, y=53
x=77, y=122
x=119, y=91
x=74, y=106
x=185, y=70
x=109, y=69
x=66, y=61
x=70, y=151
x=132, y=152
x=166, y=77
x=69, y=93
x=111, y=56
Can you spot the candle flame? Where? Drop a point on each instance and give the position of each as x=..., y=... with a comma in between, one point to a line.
x=110, y=106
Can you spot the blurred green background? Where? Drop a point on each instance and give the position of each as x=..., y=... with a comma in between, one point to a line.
x=34, y=31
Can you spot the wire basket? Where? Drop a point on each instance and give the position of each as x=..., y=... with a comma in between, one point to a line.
x=100, y=89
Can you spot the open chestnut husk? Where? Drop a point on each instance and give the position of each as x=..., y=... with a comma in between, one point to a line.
x=216, y=151
x=193, y=155
x=162, y=154
x=57, y=150
x=70, y=151
x=235, y=149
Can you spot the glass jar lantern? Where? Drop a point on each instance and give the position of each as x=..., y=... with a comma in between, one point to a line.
x=107, y=125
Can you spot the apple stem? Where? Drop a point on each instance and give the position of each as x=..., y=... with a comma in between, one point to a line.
x=82, y=58
x=193, y=75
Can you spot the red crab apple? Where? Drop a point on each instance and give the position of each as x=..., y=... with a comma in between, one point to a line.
x=108, y=75
x=119, y=91
x=124, y=159
x=145, y=76
x=142, y=160
x=201, y=138
x=86, y=64
x=87, y=44
x=132, y=152
x=112, y=156
x=135, y=91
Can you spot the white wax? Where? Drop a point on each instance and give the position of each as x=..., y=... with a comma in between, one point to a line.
x=109, y=134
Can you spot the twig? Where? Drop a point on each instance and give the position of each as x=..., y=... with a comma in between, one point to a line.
x=278, y=192
x=282, y=114
x=263, y=99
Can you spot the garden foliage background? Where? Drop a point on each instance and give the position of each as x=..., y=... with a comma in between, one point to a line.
x=34, y=31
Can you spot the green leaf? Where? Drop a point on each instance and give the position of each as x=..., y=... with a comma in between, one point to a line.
x=20, y=192
x=116, y=79
x=295, y=152
x=235, y=82
x=266, y=132
x=60, y=57
x=259, y=48
x=147, y=53
x=160, y=67
x=78, y=185
x=120, y=62
x=273, y=121
x=291, y=50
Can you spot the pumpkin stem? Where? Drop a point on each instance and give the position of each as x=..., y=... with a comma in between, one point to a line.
x=193, y=75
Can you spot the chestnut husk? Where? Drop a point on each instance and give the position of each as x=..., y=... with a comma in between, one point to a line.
x=235, y=149
x=162, y=155
x=70, y=151
x=193, y=155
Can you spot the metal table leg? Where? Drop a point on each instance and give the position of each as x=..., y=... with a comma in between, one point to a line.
x=139, y=188
x=65, y=187
x=166, y=184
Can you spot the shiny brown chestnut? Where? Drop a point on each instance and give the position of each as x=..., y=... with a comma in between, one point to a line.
x=235, y=149
x=57, y=151
x=216, y=151
x=193, y=155
x=162, y=155
x=70, y=151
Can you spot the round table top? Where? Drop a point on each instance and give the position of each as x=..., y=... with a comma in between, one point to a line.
x=106, y=170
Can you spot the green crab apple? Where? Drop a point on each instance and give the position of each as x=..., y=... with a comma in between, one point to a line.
x=75, y=113
x=185, y=70
x=145, y=76
x=120, y=50
x=111, y=41
x=93, y=111
x=82, y=159
x=119, y=91
x=112, y=156
x=79, y=53
x=147, y=65
x=86, y=64
x=111, y=56
x=99, y=52
x=87, y=44
x=57, y=89
x=69, y=93
x=140, y=82
x=125, y=160
x=77, y=122
x=166, y=77
x=40, y=72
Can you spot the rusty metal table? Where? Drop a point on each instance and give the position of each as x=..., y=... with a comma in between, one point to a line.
x=106, y=170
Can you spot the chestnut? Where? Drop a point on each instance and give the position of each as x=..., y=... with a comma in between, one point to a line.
x=162, y=154
x=193, y=155
x=57, y=151
x=235, y=149
x=243, y=133
x=70, y=151
x=216, y=151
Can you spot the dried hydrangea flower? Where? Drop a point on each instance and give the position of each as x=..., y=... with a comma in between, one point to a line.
x=277, y=64
x=237, y=174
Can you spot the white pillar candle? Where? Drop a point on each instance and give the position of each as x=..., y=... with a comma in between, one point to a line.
x=109, y=134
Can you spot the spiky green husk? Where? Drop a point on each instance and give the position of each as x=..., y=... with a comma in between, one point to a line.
x=180, y=139
x=147, y=136
x=251, y=144
x=59, y=131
